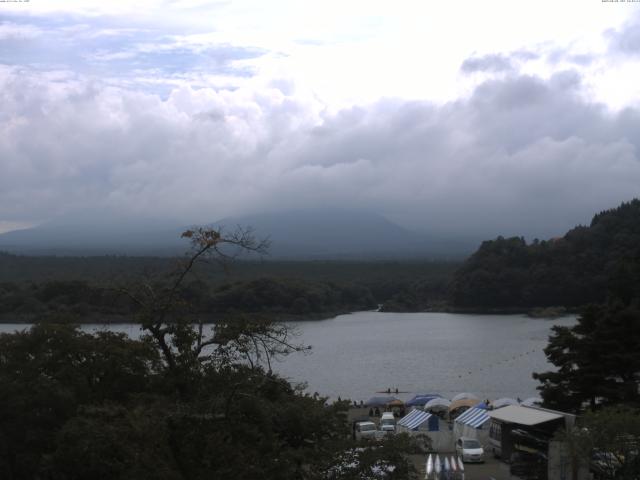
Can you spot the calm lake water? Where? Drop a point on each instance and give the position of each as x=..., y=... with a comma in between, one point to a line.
x=356, y=355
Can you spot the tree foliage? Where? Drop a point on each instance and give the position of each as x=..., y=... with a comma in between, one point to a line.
x=608, y=440
x=597, y=360
x=183, y=402
x=587, y=265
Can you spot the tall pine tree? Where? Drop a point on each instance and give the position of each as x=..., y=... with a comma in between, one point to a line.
x=597, y=360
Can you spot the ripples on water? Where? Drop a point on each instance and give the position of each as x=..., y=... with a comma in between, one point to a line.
x=356, y=355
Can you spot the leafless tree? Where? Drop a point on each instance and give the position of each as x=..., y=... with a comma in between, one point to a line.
x=182, y=341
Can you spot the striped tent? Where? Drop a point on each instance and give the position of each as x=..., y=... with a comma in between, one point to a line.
x=414, y=419
x=473, y=423
x=474, y=417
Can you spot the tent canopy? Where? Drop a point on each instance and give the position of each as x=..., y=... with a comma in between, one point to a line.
x=474, y=417
x=437, y=402
x=463, y=395
x=379, y=401
x=414, y=419
x=421, y=399
x=463, y=402
x=531, y=401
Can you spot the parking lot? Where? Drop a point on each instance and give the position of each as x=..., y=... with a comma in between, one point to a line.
x=491, y=469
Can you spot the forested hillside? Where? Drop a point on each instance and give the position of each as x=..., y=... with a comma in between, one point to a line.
x=73, y=287
x=587, y=265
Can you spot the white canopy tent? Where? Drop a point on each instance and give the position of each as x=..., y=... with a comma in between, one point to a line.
x=437, y=404
x=464, y=395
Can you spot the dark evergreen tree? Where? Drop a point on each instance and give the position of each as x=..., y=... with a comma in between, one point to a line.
x=597, y=360
x=587, y=265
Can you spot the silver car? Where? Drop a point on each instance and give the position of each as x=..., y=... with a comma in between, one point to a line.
x=470, y=450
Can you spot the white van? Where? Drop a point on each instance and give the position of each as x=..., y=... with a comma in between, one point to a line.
x=388, y=422
x=366, y=430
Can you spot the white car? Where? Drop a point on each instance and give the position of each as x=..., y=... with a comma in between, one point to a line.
x=470, y=450
x=388, y=422
x=366, y=430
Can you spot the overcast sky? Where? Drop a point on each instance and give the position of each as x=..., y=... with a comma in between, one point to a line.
x=462, y=118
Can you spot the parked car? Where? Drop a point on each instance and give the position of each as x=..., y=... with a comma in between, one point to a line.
x=388, y=422
x=470, y=450
x=366, y=430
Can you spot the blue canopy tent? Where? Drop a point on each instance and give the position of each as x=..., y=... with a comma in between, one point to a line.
x=421, y=399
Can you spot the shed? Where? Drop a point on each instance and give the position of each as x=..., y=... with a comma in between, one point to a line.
x=528, y=429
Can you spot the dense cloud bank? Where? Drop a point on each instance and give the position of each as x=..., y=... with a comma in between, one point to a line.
x=521, y=155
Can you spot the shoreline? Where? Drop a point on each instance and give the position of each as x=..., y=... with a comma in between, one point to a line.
x=210, y=319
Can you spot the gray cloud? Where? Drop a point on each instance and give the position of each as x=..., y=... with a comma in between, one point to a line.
x=521, y=155
x=487, y=63
x=626, y=40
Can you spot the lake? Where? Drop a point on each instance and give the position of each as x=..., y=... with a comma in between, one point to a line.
x=356, y=355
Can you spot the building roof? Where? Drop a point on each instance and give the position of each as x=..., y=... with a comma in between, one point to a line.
x=523, y=415
x=474, y=417
x=414, y=419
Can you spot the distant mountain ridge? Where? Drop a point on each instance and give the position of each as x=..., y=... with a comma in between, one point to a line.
x=587, y=265
x=294, y=234
x=324, y=233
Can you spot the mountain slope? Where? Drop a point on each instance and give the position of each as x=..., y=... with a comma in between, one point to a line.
x=302, y=234
x=333, y=233
x=95, y=238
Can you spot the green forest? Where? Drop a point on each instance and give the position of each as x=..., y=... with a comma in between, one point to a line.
x=588, y=265
x=90, y=287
